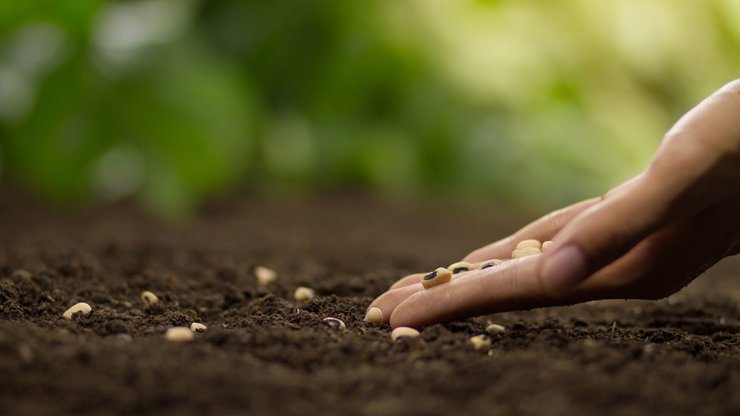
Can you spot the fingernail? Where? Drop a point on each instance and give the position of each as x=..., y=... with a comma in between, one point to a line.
x=563, y=268
x=374, y=315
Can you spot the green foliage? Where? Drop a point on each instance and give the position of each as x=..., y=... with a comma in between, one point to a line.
x=172, y=100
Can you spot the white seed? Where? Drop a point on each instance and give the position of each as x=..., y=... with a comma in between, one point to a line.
x=529, y=243
x=335, y=323
x=459, y=267
x=198, y=327
x=490, y=263
x=546, y=246
x=403, y=331
x=437, y=277
x=481, y=343
x=303, y=294
x=264, y=275
x=374, y=315
x=149, y=298
x=179, y=334
x=494, y=329
x=524, y=252
x=78, y=307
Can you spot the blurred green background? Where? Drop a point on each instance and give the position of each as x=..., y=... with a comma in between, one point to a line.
x=529, y=103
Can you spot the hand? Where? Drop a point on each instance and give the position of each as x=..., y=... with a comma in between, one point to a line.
x=645, y=239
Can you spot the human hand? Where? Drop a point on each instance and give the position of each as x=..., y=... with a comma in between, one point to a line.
x=645, y=239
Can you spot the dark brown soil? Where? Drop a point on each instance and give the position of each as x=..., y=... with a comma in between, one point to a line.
x=265, y=354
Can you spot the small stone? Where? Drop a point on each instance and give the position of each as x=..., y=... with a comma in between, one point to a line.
x=335, y=323
x=149, y=298
x=264, y=275
x=404, y=331
x=81, y=307
x=179, y=334
x=303, y=294
x=494, y=329
x=198, y=327
x=481, y=343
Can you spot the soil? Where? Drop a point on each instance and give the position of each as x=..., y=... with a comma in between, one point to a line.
x=266, y=354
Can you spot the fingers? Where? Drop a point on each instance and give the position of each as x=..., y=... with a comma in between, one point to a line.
x=541, y=229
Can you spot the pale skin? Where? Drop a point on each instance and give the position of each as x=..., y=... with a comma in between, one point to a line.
x=645, y=239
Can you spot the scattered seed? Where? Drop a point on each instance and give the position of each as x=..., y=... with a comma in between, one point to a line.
x=529, y=243
x=490, y=263
x=303, y=294
x=82, y=307
x=459, y=267
x=437, y=277
x=149, y=298
x=374, y=315
x=335, y=323
x=198, y=327
x=546, y=246
x=404, y=331
x=179, y=334
x=494, y=329
x=524, y=252
x=481, y=343
x=264, y=275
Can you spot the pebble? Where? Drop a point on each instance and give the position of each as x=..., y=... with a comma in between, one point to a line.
x=531, y=243
x=435, y=278
x=179, y=334
x=404, y=331
x=303, y=294
x=374, y=315
x=494, y=329
x=335, y=323
x=264, y=275
x=481, y=343
x=78, y=307
x=524, y=252
x=459, y=267
x=198, y=327
x=148, y=297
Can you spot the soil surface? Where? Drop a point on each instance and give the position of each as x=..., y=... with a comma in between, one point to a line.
x=266, y=354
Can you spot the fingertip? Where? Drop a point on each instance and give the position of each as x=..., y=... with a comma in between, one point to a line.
x=561, y=269
x=405, y=314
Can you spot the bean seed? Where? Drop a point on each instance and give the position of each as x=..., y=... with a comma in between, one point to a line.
x=459, y=267
x=490, y=263
x=404, y=331
x=264, y=275
x=437, y=277
x=494, y=329
x=149, y=298
x=81, y=307
x=335, y=323
x=529, y=243
x=524, y=252
x=198, y=327
x=179, y=334
x=546, y=246
x=374, y=315
x=303, y=294
x=481, y=343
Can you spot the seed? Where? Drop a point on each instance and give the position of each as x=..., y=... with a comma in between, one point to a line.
x=494, y=329
x=546, y=246
x=490, y=263
x=198, y=327
x=303, y=294
x=81, y=307
x=335, y=323
x=529, y=243
x=524, y=252
x=149, y=298
x=459, y=267
x=179, y=334
x=404, y=331
x=374, y=315
x=437, y=277
x=264, y=275
x=481, y=343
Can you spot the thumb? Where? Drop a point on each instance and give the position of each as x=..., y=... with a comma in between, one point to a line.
x=603, y=233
